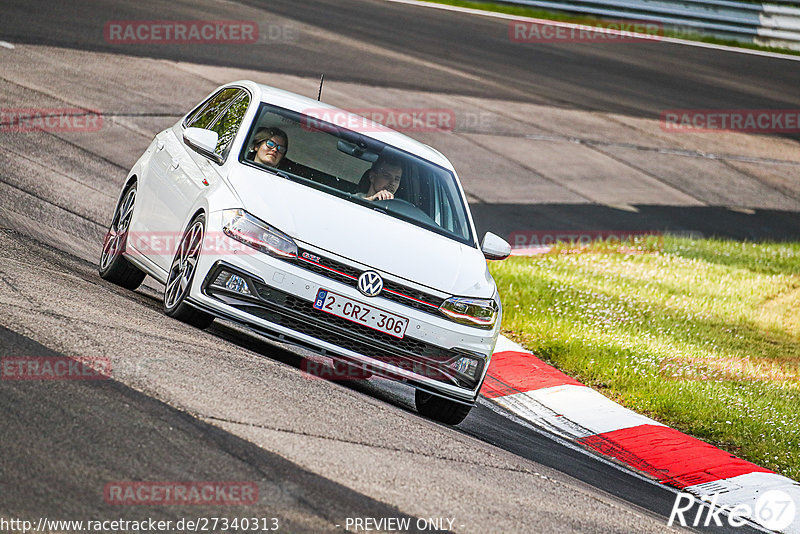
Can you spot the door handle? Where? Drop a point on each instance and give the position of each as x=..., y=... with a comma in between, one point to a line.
x=175, y=164
x=159, y=145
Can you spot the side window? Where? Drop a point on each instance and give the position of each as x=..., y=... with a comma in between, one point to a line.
x=205, y=114
x=228, y=124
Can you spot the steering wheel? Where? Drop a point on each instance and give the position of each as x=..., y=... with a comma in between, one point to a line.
x=404, y=207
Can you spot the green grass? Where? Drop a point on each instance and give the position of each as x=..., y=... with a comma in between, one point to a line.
x=702, y=335
x=523, y=11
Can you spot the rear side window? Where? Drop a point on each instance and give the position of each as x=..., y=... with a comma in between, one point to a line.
x=205, y=114
x=228, y=123
x=222, y=113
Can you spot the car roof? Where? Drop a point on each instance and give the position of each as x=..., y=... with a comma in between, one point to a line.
x=302, y=104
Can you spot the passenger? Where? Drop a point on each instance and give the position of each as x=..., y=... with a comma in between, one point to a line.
x=383, y=179
x=269, y=146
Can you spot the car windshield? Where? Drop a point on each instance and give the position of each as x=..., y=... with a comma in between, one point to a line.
x=353, y=166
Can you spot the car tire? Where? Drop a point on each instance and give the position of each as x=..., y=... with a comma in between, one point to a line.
x=440, y=409
x=181, y=274
x=113, y=266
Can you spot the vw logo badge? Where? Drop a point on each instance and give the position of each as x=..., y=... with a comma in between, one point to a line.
x=370, y=283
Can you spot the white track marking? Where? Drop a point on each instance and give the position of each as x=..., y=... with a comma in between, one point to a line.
x=593, y=411
x=504, y=345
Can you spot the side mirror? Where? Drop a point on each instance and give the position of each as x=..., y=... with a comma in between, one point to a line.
x=495, y=247
x=203, y=142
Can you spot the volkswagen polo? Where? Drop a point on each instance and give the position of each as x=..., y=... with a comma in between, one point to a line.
x=315, y=227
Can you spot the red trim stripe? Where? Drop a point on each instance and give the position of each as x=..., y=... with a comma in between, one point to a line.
x=411, y=298
x=328, y=268
x=355, y=278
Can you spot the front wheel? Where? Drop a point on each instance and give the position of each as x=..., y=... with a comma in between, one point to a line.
x=113, y=265
x=181, y=274
x=440, y=409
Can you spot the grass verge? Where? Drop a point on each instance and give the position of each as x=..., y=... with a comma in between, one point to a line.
x=524, y=11
x=702, y=335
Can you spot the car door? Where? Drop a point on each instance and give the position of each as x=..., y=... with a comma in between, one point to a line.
x=179, y=174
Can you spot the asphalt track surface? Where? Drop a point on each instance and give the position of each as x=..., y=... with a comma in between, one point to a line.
x=176, y=416
x=463, y=54
x=63, y=441
x=381, y=44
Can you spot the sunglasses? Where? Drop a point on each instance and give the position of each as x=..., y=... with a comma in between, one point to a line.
x=272, y=144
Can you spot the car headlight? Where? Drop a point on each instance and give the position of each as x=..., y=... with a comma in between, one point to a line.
x=474, y=312
x=253, y=232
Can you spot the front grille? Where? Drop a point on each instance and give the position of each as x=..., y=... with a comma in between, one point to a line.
x=305, y=308
x=341, y=272
x=292, y=312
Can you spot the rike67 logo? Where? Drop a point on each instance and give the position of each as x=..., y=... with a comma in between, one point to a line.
x=774, y=509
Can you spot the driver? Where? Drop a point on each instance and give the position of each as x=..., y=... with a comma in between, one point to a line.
x=384, y=179
x=269, y=146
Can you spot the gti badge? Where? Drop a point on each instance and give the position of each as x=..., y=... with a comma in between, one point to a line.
x=310, y=257
x=370, y=283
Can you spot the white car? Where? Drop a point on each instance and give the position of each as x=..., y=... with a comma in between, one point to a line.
x=297, y=245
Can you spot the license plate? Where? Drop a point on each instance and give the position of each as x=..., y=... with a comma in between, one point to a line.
x=360, y=313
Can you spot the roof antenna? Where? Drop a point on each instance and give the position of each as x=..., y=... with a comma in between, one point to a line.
x=321, y=78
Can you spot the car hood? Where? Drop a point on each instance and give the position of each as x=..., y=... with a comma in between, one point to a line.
x=366, y=236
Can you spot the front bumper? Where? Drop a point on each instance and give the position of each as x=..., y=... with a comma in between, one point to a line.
x=283, y=310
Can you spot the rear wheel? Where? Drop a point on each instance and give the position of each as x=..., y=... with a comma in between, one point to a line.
x=443, y=410
x=181, y=274
x=113, y=265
